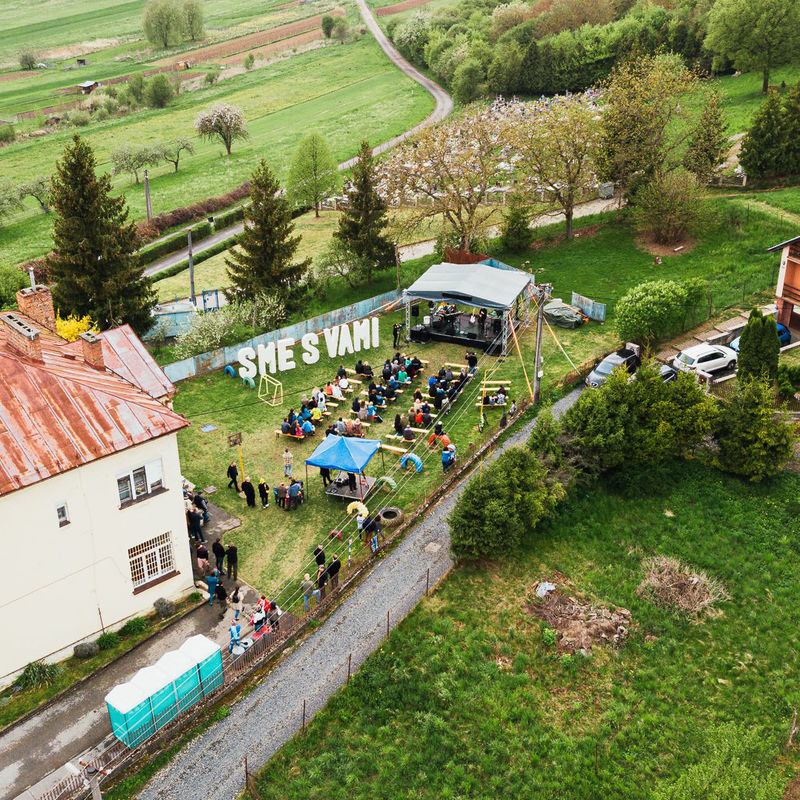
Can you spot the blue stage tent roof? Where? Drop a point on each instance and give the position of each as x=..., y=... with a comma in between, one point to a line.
x=344, y=452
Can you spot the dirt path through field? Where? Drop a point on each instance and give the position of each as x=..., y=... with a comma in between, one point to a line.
x=241, y=44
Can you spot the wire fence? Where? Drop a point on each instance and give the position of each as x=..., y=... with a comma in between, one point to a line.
x=240, y=664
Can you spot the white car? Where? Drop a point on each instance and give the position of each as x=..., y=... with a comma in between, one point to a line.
x=706, y=358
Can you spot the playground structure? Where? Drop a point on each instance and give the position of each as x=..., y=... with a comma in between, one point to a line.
x=270, y=391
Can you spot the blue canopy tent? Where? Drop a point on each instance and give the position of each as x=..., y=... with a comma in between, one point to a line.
x=349, y=455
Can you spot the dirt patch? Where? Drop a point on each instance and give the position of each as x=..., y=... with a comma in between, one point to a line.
x=241, y=44
x=661, y=250
x=263, y=53
x=578, y=623
x=792, y=791
x=670, y=583
x=398, y=7
x=80, y=49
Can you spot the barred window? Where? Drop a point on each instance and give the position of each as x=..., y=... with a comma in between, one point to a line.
x=140, y=482
x=151, y=559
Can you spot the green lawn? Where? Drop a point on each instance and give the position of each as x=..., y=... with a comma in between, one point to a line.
x=466, y=700
x=602, y=266
x=335, y=90
x=51, y=24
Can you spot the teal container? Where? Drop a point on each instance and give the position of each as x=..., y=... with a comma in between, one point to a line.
x=161, y=692
x=185, y=678
x=208, y=658
x=131, y=715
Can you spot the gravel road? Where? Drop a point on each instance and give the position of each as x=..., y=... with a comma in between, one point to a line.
x=270, y=715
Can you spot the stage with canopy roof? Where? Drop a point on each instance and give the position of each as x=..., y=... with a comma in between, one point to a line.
x=349, y=455
x=489, y=286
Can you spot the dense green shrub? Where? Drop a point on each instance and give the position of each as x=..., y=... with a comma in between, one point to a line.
x=158, y=91
x=515, y=228
x=7, y=134
x=499, y=506
x=651, y=311
x=228, y=218
x=37, y=674
x=736, y=762
x=669, y=208
x=164, y=608
x=11, y=281
x=107, y=640
x=751, y=441
x=771, y=146
x=759, y=347
x=173, y=243
x=134, y=626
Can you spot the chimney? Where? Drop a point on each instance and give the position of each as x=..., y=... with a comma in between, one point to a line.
x=36, y=302
x=22, y=337
x=92, y=346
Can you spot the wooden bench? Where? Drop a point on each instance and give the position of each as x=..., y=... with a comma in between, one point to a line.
x=496, y=381
x=393, y=449
x=290, y=435
x=460, y=366
x=492, y=405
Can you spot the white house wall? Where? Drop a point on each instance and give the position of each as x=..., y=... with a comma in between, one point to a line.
x=58, y=581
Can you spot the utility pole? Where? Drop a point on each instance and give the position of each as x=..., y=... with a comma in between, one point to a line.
x=148, y=205
x=191, y=269
x=94, y=783
x=538, y=358
x=397, y=262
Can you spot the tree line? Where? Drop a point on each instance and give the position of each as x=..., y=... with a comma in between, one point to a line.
x=484, y=47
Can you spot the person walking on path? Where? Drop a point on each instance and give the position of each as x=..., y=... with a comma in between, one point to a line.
x=308, y=590
x=222, y=596
x=322, y=579
x=235, y=632
x=237, y=600
x=219, y=554
x=202, y=505
x=211, y=581
x=333, y=572
x=233, y=474
x=232, y=555
x=288, y=458
x=319, y=555
x=249, y=492
x=263, y=493
x=194, y=524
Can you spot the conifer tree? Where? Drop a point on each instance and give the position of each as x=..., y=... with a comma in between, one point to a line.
x=759, y=347
x=94, y=264
x=763, y=146
x=707, y=143
x=363, y=223
x=262, y=260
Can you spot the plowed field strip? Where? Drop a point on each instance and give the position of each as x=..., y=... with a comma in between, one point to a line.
x=386, y=11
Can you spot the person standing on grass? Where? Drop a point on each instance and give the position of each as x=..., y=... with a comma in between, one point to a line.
x=233, y=474
x=281, y=493
x=308, y=590
x=294, y=495
x=288, y=458
x=396, y=328
x=211, y=581
x=232, y=555
x=263, y=493
x=219, y=553
x=319, y=555
x=333, y=572
x=249, y=492
x=322, y=579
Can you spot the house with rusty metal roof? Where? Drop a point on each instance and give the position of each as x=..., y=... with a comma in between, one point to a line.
x=91, y=493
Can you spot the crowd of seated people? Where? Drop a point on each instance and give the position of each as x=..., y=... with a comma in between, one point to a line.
x=299, y=425
x=445, y=386
x=497, y=398
x=346, y=427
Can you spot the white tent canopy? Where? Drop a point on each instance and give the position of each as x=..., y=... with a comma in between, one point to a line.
x=478, y=285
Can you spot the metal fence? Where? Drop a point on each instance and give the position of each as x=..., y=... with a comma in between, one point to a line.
x=221, y=357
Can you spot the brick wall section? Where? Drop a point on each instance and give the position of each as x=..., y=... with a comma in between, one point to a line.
x=22, y=337
x=37, y=304
x=92, y=348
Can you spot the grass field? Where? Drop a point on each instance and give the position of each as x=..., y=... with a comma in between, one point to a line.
x=602, y=266
x=466, y=700
x=335, y=90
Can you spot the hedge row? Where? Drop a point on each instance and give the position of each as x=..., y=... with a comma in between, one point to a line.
x=228, y=218
x=175, y=242
x=182, y=216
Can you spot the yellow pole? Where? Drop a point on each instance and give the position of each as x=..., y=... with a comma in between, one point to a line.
x=241, y=463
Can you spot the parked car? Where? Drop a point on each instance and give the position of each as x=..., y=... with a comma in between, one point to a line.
x=784, y=337
x=706, y=357
x=667, y=373
x=624, y=357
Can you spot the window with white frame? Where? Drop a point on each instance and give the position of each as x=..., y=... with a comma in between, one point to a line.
x=151, y=559
x=140, y=482
x=62, y=512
